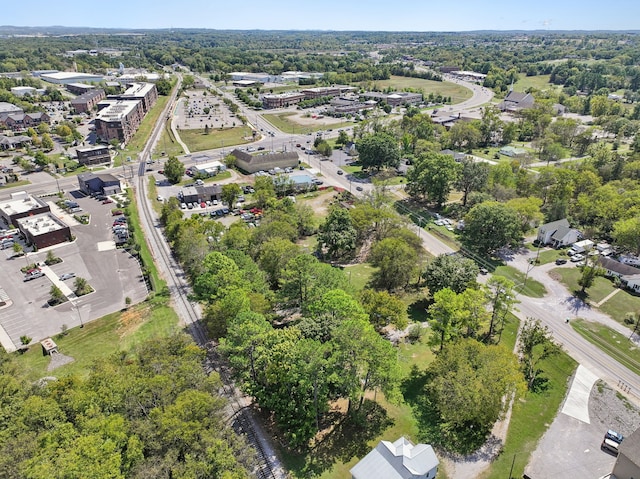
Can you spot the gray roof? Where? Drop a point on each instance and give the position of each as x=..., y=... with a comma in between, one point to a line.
x=266, y=158
x=6, y=107
x=617, y=266
x=397, y=460
x=630, y=447
x=554, y=225
x=561, y=232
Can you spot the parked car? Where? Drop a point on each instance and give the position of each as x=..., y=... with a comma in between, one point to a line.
x=33, y=274
x=577, y=257
x=614, y=436
x=560, y=261
x=359, y=188
x=67, y=276
x=183, y=206
x=117, y=212
x=340, y=172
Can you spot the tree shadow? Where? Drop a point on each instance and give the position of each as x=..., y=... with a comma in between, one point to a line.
x=465, y=439
x=348, y=439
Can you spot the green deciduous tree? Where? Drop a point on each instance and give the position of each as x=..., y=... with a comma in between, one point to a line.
x=337, y=234
x=626, y=234
x=47, y=142
x=473, y=176
x=432, y=177
x=384, y=309
x=397, y=263
x=450, y=271
x=174, y=170
x=501, y=298
x=535, y=344
x=230, y=192
x=378, y=150
x=490, y=226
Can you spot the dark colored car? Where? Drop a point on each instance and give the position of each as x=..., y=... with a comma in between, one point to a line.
x=561, y=261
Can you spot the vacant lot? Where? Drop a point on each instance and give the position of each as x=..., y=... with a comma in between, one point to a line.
x=198, y=140
x=458, y=93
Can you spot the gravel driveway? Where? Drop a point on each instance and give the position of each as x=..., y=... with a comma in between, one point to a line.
x=571, y=448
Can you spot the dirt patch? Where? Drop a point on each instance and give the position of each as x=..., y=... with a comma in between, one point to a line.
x=301, y=118
x=131, y=320
x=58, y=360
x=321, y=202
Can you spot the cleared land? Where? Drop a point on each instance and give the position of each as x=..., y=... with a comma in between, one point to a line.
x=297, y=123
x=457, y=92
x=539, y=82
x=197, y=140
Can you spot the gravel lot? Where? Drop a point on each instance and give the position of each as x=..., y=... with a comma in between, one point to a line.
x=571, y=448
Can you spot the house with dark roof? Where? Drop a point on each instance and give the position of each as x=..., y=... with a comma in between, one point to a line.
x=558, y=233
x=11, y=142
x=397, y=460
x=627, y=464
x=629, y=275
x=20, y=121
x=516, y=101
x=264, y=162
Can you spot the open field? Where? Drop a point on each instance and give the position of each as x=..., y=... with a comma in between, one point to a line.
x=457, y=92
x=168, y=144
x=97, y=339
x=533, y=288
x=196, y=140
x=539, y=82
x=286, y=122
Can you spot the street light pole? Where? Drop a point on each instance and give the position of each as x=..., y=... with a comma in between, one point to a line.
x=77, y=306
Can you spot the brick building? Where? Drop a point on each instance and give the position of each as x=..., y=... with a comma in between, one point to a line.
x=118, y=119
x=93, y=156
x=88, y=101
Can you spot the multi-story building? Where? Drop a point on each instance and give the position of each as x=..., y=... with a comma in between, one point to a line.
x=282, y=100
x=22, y=121
x=396, y=98
x=118, y=119
x=88, y=100
x=147, y=93
x=79, y=88
x=93, y=156
x=104, y=183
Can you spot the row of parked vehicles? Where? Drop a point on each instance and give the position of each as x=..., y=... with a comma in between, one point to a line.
x=120, y=230
x=612, y=441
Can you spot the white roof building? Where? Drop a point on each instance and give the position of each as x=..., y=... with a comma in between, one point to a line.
x=63, y=78
x=397, y=460
x=23, y=90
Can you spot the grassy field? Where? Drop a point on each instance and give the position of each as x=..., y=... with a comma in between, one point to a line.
x=284, y=123
x=550, y=255
x=359, y=275
x=158, y=285
x=457, y=92
x=138, y=141
x=601, y=288
x=103, y=337
x=196, y=140
x=531, y=415
x=533, y=288
x=539, y=82
x=17, y=183
x=620, y=304
x=611, y=342
x=168, y=144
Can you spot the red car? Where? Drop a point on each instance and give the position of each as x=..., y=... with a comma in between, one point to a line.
x=203, y=205
x=107, y=201
x=117, y=212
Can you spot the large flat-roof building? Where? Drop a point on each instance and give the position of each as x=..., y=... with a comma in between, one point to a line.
x=118, y=119
x=198, y=194
x=93, y=156
x=147, y=93
x=88, y=100
x=396, y=98
x=252, y=163
x=44, y=230
x=64, y=78
x=79, y=88
x=21, y=205
x=282, y=100
x=7, y=109
x=24, y=90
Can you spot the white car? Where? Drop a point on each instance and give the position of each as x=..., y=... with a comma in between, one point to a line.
x=160, y=198
x=577, y=257
x=67, y=276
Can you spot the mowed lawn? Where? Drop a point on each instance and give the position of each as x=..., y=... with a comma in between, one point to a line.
x=197, y=140
x=457, y=92
x=539, y=82
x=286, y=123
x=115, y=332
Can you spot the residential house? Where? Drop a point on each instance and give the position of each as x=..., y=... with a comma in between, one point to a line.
x=513, y=152
x=22, y=121
x=457, y=156
x=629, y=275
x=627, y=465
x=11, y=142
x=397, y=460
x=558, y=233
x=7, y=109
x=516, y=101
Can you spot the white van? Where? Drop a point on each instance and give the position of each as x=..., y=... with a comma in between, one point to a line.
x=7, y=243
x=610, y=446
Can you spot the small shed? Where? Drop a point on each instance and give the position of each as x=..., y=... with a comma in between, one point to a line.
x=48, y=347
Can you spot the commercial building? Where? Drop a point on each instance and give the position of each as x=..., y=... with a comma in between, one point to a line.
x=198, y=194
x=11, y=142
x=93, y=156
x=24, y=90
x=79, y=88
x=210, y=168
x=255, y=77
x=21, y=205
x=118, y=119
x=64, y=78
x=396, y=98
x=264, y=162
x=44, y=230
x=105, y=184
x=88, y=100
x=627, y=464
x=282, y=100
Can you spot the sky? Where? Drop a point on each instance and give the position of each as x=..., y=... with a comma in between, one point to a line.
x=371, y=15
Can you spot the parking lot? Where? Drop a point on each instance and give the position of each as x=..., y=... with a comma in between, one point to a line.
x=202, y=108
x=112, y=273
